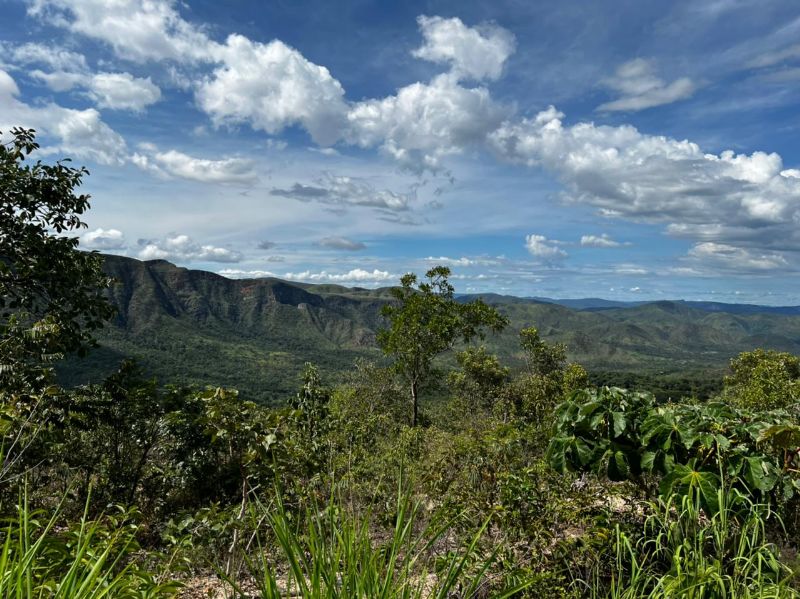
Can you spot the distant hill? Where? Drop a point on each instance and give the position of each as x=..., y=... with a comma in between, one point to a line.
x=593, y=303
x=190, y=326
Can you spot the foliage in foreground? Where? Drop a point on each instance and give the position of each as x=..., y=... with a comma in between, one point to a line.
x=331, y=552
x=627, y=436
x=685, y=553
x=89, y=559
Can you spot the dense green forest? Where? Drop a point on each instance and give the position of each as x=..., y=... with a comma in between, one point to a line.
x=447, y=446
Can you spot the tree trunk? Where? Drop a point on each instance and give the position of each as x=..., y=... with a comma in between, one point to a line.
x=414, y=409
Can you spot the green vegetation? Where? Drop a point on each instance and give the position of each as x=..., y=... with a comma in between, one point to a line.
x=192, y=327
x=427, y=321
x=519, y=480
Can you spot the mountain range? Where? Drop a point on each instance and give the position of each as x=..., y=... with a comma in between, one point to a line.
x=191, y=326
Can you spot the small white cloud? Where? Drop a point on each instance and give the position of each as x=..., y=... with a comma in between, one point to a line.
x=357, y=275
x=601, y=241
x=728, y=257
x=341, y=243
x=640, y=88
x=233, y=273
x=63, y=69
x=183, y=249
x=347, y=191
x=464, y=261
x=630, y=269
x=177, y=164
x=103, y=239
x=77, y=133
x=136, y=30
x=123, y=91
x=542, y=247
x=472, y=52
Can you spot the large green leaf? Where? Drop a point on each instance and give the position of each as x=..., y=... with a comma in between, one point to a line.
x=760, y=473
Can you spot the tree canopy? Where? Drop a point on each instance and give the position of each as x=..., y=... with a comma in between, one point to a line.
x=427, y=320
x=51, y=293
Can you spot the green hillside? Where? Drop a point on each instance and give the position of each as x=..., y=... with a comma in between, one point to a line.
x=190, y=326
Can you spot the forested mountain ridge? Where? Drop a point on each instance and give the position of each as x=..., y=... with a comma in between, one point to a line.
x=255, y=334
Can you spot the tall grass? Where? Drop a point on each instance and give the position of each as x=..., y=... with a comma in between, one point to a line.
x=332, y=553
x=687, y=553
x=90, y=561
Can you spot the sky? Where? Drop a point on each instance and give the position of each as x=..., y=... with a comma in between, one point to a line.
x=630, y=150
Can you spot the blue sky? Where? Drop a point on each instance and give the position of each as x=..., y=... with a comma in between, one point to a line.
x=625, y=149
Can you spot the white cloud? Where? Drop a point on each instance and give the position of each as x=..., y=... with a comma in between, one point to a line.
x=123, y=91
x=422, y=123
x=464, y=261
x=183, y=249
x=137, y=30
x=786, y=54
x=542, y=247
x=640, y=88
x=65, y=69
x=727, y=257
x=177, y=164
x=357, y=275
x=271, y=86
x=347, y=191
x=54, y=57
x=103, y=239
x=341, y=243
x=233, y=273
x=737, y=199
x=473, y=52
x=600, y=241
x=79, y=133
x=630, y=269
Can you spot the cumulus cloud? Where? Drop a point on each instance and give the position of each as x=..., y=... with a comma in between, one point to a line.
x=640, y=88
x=472, y=52
x=271, y=86
x=77, y=133
x=735, y=199
x=600, y=241
x=177, y=164
x=342, y=191
x=123, y=91
x=357, y=275
x=136, y=30
x=65, y=69
x=542, y=247
x=54, y=57
x=103, y=239
x=423, y=123
x=341, y=243
x=182, y=248
x=265, y=244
